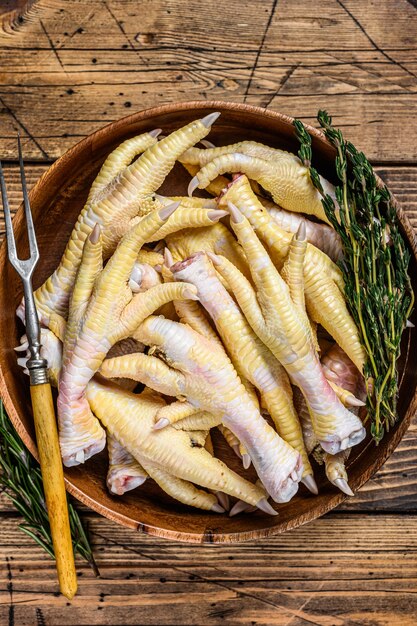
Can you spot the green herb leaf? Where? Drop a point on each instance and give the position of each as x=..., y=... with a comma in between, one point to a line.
x=21, y=478
x=375, y=266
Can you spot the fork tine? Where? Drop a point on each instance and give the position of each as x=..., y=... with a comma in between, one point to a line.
x=33, y=246
x=11, y=244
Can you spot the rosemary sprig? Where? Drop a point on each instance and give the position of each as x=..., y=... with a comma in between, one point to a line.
x=375, y=266
x=21, y=480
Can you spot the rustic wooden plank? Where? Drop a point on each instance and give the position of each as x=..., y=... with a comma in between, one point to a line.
x=76, y=109
x=292, y=22
x=13, y=10
x=402, y=181
x=89, y=67
x=308, y=577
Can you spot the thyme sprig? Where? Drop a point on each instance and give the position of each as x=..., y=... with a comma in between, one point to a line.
x=375, y=266
x=21, y=481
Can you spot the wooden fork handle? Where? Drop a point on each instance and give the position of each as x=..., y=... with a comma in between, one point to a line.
x=54, y=487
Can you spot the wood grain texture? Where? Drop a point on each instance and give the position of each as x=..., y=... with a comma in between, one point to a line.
x=308, y=576
x=14, y=9
x=54, y=486
x=89, y=66
x=68, y=67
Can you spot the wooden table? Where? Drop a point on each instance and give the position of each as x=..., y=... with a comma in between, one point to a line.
x=68, y=67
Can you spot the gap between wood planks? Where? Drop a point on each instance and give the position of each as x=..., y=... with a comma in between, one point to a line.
x=368, y=578
x=356, y=59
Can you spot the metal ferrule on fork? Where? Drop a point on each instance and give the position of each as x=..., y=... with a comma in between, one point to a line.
x=38, y=372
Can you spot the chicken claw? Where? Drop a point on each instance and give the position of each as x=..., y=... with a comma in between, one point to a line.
x=323, y=281
x=200, y=157
x=183, y=490
x=286, y=179
x=129, y=419
x=198, y=366
x=336, y=471
x=343, y=485
x=103, y=311
x=122, y=191
x=276, y=320
x=246, y=351
x=339, y=370
x=188, y=217
x=124, y=473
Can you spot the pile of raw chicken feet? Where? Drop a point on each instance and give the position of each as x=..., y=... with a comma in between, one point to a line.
x=228, y=310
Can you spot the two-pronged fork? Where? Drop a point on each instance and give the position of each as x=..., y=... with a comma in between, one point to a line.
x=41, y=396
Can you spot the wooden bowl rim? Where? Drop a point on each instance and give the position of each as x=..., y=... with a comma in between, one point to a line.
x=207, y=537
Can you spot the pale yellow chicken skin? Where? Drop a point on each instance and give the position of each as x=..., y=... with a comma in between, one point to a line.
x=281, y=173
x=174, y=457
x=276, y=320
x=323, y=282
x=103, y=310
x=194, y=366
x=119, y=195
x=246, y=350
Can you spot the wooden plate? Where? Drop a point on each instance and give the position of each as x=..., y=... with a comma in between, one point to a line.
x=56, y=201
